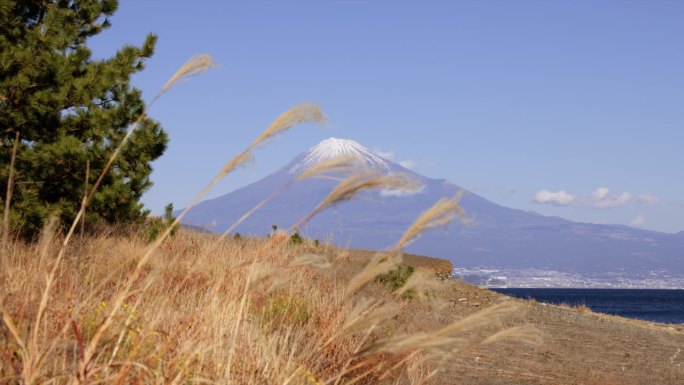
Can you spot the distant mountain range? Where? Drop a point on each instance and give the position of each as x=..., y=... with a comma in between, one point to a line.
x=502, y=240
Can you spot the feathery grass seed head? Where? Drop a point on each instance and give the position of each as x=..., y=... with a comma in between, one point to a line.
x=365, y=314
x=337, y=164
x=195, y=66
x=527, y=334
x=422, y=282
x=368, y=180
x=444, y=339
x=303, y=113
x=484, y=317
x=47, y=235
x=313, y=260
x=440, y=214
x=364, y=180
x=381, y=263
x=413, y=342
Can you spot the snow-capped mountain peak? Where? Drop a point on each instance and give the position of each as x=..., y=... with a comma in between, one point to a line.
x=502, y=238
x=334, y=147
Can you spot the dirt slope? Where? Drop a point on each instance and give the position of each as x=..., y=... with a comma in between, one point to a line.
x=580, y=347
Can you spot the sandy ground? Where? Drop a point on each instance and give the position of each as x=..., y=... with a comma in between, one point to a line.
x=579, y=346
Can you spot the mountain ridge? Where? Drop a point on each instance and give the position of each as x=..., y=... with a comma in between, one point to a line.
x=502, y=238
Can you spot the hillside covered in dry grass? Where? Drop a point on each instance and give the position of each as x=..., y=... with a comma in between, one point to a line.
x=126, y=306
x=253, y=311
x=233, y=311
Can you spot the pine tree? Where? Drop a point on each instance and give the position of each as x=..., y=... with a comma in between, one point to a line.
x=69, y=110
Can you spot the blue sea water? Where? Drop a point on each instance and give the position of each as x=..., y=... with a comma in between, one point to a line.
x=666, y=306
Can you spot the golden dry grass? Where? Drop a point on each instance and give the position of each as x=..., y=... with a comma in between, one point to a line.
x=199, y=308
x=251, y=311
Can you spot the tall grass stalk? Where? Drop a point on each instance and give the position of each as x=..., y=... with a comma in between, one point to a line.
x=336, y=165
x=248, y=312
x=440, y=214
x=299, y=114
x=8, y=197
x=193, y=67
x=217, y=319
x=353, y=185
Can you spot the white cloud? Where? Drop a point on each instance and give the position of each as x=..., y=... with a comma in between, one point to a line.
x=557, y=198
x=600, y=193
x=389, y=155
x=410, y=164
x=648, y=199
x=402, y=192
x=637, y=221
x=600, y=198
x=603, y=199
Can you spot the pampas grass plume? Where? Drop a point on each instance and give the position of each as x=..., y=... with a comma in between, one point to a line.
x=364, y=180
x=526, y=333
x=422, y=282
x=337, y=164
x=381, y=263
x=440, y=214
x=313, y=260
x=366, y=313
x=195, y=66
x=303, y=113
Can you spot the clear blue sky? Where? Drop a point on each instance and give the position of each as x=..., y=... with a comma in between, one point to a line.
x=517, y=101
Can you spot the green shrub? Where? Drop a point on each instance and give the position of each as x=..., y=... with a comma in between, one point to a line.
x=156, y=226
x=296, y=239
x=397, y=278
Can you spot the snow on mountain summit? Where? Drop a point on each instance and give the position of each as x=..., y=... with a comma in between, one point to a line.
x=334, y=147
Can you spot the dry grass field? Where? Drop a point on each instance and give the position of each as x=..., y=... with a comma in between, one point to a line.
x=114, y=307
x=129, y=307
x=242, y=311
x=258, y=311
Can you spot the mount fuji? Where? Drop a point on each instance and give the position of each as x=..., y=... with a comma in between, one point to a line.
x=515, y=245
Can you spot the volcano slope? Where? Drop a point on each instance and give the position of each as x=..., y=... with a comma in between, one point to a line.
x=499, y=238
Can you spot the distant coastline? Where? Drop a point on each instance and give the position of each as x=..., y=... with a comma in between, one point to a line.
x=655, y=305
x=540, y=278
